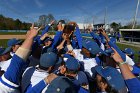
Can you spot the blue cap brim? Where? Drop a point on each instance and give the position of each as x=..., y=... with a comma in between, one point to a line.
x=8, y=49
x=59, y=61
x=19, y=42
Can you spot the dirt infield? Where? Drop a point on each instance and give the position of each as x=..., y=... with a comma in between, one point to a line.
x=12, y=36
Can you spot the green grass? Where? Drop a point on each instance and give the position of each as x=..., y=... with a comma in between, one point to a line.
x=3, y=42
x=136, y=49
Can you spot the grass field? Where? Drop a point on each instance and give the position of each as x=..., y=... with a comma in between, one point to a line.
x=136, y=49
x=3, y=42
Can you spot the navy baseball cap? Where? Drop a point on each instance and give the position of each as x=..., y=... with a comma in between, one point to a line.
x=72, y=64
x=108, y=51
x=48, y=59
x=129, y=51
x=61, y=84
x=48, y=39
x=47, y=49
x=112, y=76
x=82, y=78
x=14, y=41
x=91, y=46
x=112, y=39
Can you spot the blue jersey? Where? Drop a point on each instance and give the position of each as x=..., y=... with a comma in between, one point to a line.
x=133, y=85
x=10, y=81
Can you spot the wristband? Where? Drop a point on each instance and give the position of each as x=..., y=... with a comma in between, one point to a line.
x=122, y=63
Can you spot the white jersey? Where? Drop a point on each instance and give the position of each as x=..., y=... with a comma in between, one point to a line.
x=88, y=62
x=32, y=77
x=102, y=46
x=5, y=64
x=129, y=61
x=12, y=53
x=4, y=89
x=38, y=76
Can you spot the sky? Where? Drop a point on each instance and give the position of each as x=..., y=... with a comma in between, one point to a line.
x=81, y=11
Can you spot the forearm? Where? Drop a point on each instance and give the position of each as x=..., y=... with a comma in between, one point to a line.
x=27, y=44
x=59, y=47
x=45, y=30
x=106, y=37
x=127, y=74
x=25, y=49
x=56, y=38
x=123, y=56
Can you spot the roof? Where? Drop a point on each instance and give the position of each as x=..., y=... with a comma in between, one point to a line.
x=137, y=30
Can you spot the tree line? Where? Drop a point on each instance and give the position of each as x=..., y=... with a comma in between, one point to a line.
x=11, y=24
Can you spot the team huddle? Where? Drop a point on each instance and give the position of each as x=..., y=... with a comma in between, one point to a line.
x=67, y=63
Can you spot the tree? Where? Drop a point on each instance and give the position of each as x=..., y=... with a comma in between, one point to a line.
x=45, y=19
x=11, y=24
x=18, y=24
x=115, y=26
x=50, y=18
x=42, y=20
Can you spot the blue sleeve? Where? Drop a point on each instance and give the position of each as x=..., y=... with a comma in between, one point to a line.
x=67, y=56
x=56, y=38
x=74, y=44
x=12, y=76
x=133, y=85
x=37, y=88
x=81, y=90
x=96, y=38
x=79, y=37
x=123, y=56
x=136, y=70
x=98, y=61
x=102, y=38
x=45, y=30
x=36, y=43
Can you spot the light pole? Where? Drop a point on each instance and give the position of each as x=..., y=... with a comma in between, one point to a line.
x=134, y=23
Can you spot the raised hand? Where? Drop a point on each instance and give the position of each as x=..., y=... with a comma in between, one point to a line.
x=33, y=31
x=52, y=22
x=44, y=36
x=116, y=56
x=102, y=31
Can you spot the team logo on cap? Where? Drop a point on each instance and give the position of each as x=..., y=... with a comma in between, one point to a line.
x=58, y=89
x=108, y=78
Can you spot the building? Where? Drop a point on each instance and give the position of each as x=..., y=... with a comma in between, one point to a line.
x=132, y=35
